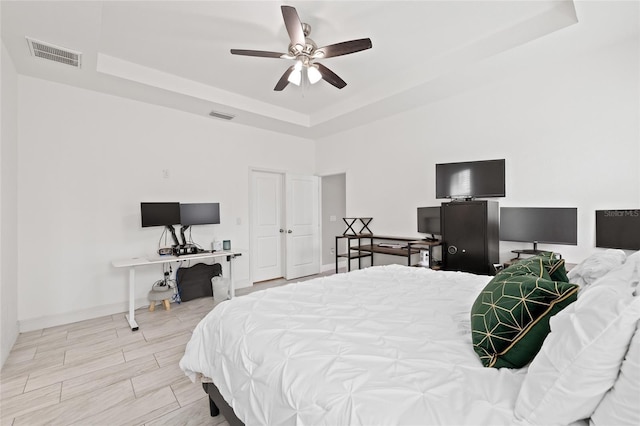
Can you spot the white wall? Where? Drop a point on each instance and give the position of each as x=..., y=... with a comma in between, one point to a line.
x=568, y=129
x=8, y=204
x=87, y=160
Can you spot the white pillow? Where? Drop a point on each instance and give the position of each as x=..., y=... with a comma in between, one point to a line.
x=621, y=405
x=625, y=276
x=580, y=359
x=595, y=266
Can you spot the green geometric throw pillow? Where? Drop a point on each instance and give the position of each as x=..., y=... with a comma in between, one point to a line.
x=555, y=266
x=510, y=317
x=558, y=271
x=536, y=265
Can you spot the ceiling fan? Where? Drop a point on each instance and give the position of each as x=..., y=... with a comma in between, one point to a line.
x=305, y=52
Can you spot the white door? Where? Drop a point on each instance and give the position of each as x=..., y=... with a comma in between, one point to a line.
x=303, y=226
x=268, y=225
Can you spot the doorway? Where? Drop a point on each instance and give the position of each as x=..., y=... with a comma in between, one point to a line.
x=334, y=208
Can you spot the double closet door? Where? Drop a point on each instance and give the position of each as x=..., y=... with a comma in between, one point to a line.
x=285, y=225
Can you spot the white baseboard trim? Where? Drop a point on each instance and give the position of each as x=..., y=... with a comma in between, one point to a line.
x=8, y=339
x=332, y=266
x=80, y=315
x=91, y=313
x=242, y=284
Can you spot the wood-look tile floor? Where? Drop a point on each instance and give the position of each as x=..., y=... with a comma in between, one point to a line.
x=99, y=372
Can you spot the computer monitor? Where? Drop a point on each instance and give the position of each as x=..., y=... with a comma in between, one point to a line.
x=429, y=221
x=618, y=229
x=199, y=214
x=551, y=225
x=159, y=214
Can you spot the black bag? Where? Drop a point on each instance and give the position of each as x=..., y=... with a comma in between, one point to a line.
x=195, y=281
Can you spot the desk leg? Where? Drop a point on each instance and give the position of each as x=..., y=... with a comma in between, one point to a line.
x=232, y=288
x=132, y=298
x=430, y=258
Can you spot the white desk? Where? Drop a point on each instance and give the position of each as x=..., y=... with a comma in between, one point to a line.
x=154, y=260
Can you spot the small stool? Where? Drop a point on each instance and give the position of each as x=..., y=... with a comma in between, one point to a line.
x=160, y=294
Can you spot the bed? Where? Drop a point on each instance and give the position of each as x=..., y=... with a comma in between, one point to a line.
x=394, y=345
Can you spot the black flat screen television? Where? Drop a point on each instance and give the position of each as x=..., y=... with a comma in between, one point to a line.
x=471, y=179
x=159, y=214
x=551, y=225
x=618, y=229
x=429, y=221
x=199, y=214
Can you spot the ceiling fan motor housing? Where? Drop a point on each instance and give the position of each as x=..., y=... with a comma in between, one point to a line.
x=307, y=51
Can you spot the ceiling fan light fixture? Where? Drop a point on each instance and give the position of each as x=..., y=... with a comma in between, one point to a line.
x=295, y=77
x=313, y=74
x=296, y=74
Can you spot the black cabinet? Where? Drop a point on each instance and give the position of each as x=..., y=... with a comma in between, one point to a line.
x=470, y=230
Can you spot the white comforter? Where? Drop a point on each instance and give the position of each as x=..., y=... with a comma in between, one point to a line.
x=388, y=345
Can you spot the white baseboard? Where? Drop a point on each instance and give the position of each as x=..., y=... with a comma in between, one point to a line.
x=80, y=315
x=242, y=284
x=332, y=266
x=91, y=313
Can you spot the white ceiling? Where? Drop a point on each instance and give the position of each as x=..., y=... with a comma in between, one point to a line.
x=176, y=53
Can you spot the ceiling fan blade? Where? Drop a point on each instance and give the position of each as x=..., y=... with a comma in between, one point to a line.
x=294, y=25
x=330, y=77
x=344, y=48
x=260, y=53
x=284, y=80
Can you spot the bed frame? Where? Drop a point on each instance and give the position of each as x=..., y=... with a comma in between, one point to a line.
x=217, y=404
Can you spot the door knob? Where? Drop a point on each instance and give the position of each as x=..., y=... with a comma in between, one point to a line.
x=289, y=231
x=452, y=249
x=281, y=230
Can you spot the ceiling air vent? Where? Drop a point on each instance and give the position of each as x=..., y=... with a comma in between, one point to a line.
x=221, y=115
x=50, y=52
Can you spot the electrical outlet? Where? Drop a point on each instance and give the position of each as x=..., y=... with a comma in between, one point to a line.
x=165, y=173
x=333, y=251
